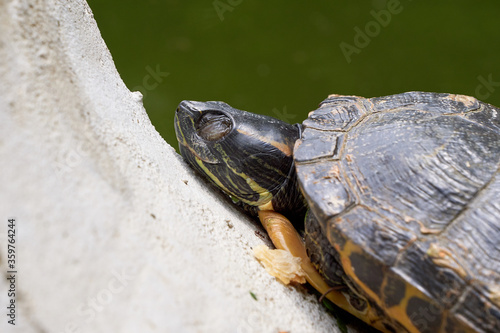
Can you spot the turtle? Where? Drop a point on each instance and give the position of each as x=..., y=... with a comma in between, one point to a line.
x=398, y=198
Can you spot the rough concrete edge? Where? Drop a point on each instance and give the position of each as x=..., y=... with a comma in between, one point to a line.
x=123, y=198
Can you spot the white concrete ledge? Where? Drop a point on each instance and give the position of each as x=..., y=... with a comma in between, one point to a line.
x=114, y=232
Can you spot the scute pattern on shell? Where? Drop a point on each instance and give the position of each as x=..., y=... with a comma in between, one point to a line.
x=407, y=188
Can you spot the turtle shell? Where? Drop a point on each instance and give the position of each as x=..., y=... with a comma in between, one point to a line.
x=406, y=188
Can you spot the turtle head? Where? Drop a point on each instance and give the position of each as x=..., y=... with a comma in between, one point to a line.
x=248, y=156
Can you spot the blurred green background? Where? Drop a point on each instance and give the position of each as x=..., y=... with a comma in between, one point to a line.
x=282, y=58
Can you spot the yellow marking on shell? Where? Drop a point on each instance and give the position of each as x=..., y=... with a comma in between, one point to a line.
x=408, y=219
x=495, y=295
x=444, y=258
x=345, y=254
x=426, y=231
x=466, y=100
x=284, y=148
x=338, y=95
x=397, y=312
x=334, y=171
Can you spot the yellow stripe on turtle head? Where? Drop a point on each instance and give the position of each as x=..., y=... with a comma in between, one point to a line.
x=264, y=195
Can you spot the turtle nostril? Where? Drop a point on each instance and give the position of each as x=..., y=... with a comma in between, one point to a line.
x=189, y=107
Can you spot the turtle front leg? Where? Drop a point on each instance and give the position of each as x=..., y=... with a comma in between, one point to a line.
x=285, y=237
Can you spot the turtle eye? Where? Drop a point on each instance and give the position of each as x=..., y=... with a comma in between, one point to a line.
x=213, y=125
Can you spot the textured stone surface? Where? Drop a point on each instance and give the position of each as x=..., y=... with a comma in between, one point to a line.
x=114, y=233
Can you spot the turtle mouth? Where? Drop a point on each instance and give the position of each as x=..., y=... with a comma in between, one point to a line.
x=187, y=106
x=209, y=124
x=186, y=118
x=196, y=109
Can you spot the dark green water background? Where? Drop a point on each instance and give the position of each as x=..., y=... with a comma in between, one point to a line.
x=282, y=58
